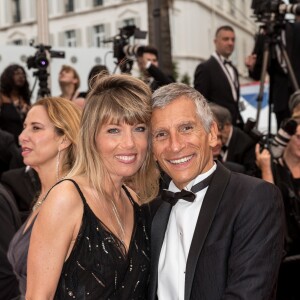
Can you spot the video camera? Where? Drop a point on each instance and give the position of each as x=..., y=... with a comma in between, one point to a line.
x=40, y=62
x=122, y=48
x=274, y=143
x=273, y=10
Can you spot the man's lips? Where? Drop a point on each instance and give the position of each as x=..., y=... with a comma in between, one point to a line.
x=181, y=160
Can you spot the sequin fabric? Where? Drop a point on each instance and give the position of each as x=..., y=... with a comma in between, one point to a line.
x=99, y=267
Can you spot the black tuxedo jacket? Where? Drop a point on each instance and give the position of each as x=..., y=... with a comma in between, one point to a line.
x=241, y=150
x=237, y=245
x=211, y=81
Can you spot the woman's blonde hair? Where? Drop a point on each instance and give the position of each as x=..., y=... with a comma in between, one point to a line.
x=65, y=116
x=115, y=99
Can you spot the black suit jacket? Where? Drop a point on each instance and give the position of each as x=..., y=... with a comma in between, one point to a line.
x=211, y=81
x=24, y=186
x=160, y=78
x=10, y=222
x=241, y=150
x=237, y=245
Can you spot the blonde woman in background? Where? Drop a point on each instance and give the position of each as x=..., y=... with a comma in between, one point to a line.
x=48, y=142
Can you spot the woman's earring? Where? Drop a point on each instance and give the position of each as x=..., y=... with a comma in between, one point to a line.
x=57, y=165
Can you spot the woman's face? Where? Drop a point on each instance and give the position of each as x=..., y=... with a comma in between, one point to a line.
x=293, y=146
x=19, y=77
x=123, y=148
x=39, y=141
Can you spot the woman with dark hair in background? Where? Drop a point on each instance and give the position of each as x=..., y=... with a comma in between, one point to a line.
x=49, y=144
x=14, y=99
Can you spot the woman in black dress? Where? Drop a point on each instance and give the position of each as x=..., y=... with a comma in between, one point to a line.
x=91, y=240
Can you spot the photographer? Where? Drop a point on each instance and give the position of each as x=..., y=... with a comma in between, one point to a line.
x=147, y=59
x=280, y=85
x=285, y=173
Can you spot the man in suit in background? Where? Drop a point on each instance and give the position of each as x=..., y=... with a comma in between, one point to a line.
x=217, y=79
x=225, y=239
x=237, y=145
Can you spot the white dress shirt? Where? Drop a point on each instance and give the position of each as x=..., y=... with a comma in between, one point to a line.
x=177, y=242
x=229, y=73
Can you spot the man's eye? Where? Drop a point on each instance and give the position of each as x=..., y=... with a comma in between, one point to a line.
x=160, y=135
x=113, y=130
x=186, y=128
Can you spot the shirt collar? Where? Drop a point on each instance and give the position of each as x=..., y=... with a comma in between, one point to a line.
x=200, y=177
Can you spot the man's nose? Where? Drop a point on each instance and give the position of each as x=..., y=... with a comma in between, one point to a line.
x=176, y=142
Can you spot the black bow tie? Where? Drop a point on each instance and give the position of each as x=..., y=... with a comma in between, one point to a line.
x=228, y=62
x=224, y=148
x=189, y=196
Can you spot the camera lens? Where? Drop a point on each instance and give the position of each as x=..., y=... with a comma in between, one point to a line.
x=42, y=62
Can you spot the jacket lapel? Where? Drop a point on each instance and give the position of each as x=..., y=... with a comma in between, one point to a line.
x=158, y=229
x=207, y=213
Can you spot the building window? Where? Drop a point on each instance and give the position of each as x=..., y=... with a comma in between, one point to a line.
x=16, y=11
x=99, y=35
x=70, y=38
x=69, y=5
x=17, y=42
x=98, y=2
x=232, y=7
x=128, y=22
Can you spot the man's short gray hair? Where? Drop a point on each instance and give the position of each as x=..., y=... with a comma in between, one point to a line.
x=168, y=93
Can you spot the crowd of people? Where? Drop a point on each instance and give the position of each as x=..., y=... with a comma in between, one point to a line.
x=145, y=188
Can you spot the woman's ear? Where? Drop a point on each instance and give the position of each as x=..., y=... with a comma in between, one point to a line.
x=65, y=143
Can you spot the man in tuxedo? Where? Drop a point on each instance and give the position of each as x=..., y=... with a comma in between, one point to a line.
x=225, y=239
x=217, y=79
x=237, y=145
x=147, y=59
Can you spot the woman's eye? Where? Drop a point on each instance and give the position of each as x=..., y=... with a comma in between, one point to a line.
x=140, y=128
x=35, y=128
x=113, y=130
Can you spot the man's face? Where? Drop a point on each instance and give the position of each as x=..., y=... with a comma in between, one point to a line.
x=181, y=146
x=150, y=57
x=224, y=42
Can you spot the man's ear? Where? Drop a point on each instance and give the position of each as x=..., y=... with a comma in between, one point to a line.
x=213, y=135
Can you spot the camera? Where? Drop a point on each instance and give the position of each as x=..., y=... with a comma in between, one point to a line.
x=273, y=10
x=40, y=60
x=122, y=48
x=274, y=143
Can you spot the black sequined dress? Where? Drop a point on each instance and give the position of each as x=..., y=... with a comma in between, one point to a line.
x=99, y=267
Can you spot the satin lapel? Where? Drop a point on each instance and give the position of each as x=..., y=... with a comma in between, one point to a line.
x=207, y=213
x=158, y=229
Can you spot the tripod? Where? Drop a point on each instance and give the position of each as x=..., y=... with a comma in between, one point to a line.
x=43, y=91
x=273, y=38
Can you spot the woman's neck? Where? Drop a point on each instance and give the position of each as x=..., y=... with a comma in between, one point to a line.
x=67, y=91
